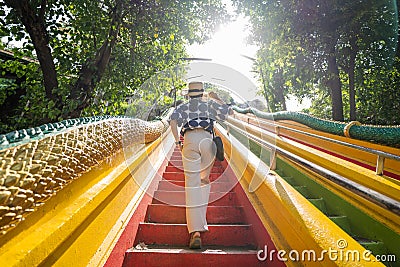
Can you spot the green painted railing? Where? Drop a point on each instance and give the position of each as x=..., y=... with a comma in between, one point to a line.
x=386, y=135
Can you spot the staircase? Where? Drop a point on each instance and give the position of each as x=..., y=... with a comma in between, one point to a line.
x=162, y=238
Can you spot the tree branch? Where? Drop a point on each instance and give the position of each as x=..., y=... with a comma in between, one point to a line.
x=42, y=10
x=36, y=29
x=92, y=72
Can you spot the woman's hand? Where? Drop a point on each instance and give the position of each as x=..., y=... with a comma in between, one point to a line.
x=180, y=145
x=214, y=96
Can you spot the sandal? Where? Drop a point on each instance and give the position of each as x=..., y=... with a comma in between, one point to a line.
x=195, y=241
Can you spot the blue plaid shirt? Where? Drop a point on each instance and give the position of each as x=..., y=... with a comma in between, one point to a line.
x=199, y=113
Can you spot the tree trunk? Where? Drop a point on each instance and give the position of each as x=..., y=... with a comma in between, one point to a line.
x=36, y=28
x=352, y=91
x=335, y=86
x=280, y=90
x=92, y=71
x=280, y=96
x=264, y=86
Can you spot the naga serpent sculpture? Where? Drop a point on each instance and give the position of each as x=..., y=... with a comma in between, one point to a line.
x=386, y=135
x=36, y=163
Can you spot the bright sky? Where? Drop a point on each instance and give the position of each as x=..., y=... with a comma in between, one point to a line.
x=227, y=47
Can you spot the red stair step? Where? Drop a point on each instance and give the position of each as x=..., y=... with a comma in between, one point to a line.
x=176, y=154
x=177, y=161
x=180, y=176
x=160, y=213
x=164, y=235
x=179, y=168
x=165, y=185
x=182, y=182
x=177, y=198
x=179, y=183
x=177, y=235
x=180, y=257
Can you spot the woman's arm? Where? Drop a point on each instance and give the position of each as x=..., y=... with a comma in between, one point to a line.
x=174, y=129
x=216, y=98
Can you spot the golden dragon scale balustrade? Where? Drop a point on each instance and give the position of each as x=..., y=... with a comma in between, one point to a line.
x=33, y=170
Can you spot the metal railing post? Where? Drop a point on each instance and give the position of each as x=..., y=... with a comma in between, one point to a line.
x=380, y=163
x=272, y=160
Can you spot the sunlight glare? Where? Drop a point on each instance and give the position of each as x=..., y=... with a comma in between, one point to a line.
x=227, y=47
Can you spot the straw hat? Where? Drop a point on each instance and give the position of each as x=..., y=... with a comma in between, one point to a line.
x=195, y=89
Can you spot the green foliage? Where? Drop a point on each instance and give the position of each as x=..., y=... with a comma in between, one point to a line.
x=7, y=87
x=379, y=97
x=151, y=37
x=305, y=44
x=157, y=94
x=224, y=95
x=321, y=106
x=22, y=98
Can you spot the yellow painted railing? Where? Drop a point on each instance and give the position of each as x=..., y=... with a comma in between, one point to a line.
x=297, y=227
x=34, y=170
x=356, y=173
x=341, y=167
x=321, y=140
x=80, y=225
